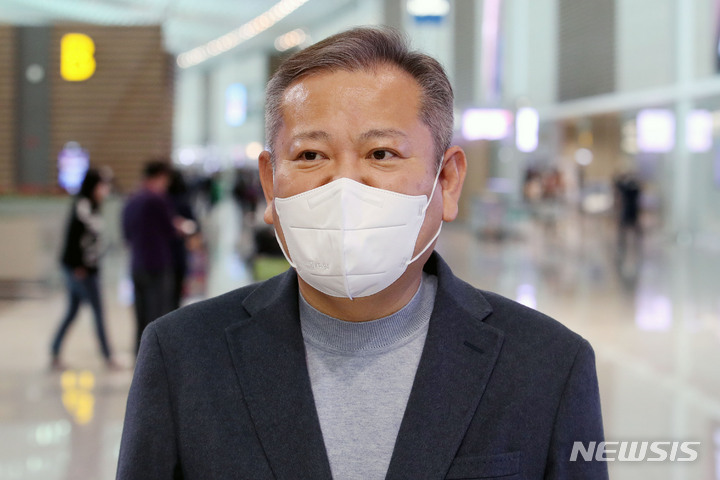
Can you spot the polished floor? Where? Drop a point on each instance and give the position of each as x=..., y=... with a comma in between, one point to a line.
x=652, y=315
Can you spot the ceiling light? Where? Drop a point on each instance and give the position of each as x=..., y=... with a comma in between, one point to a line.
x=234, y=38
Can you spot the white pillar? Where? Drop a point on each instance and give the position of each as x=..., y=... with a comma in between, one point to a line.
x=394, y=13
x=465, y=43
x=681, y=219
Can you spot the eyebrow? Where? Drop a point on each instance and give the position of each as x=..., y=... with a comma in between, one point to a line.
x=312, y=135
x=382, y=133
x=368, y=135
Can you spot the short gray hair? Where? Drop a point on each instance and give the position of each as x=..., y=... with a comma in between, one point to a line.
x=366, y=48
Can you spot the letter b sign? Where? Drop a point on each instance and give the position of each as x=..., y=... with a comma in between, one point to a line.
x=77, y=57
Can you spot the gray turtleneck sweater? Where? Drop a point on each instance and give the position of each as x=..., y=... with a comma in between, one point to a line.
x=361, y=375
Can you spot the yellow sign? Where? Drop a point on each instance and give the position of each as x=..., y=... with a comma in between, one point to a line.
x=77, y=57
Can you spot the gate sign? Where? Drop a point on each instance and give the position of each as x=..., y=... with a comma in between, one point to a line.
x=77, y=57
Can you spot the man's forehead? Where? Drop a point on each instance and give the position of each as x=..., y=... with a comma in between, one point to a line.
x=386, y=101
x=296, y=93
x=382, y=73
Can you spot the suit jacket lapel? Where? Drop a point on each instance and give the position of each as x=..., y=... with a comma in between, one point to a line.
x=458, y=358
x=269, y=357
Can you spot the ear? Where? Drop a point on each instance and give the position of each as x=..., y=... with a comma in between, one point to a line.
x=451, y=180
x=266, y=180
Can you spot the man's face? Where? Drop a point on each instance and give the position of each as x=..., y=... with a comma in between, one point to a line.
x=163, y=182
x=362, y=125
x=158, y=183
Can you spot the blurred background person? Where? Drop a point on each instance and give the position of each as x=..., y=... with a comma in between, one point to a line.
x=147, y=223
x=551, y=199
x=81, y=261
x=186, y=220
x=628, y=193
x=247, y=193
x=532, y=186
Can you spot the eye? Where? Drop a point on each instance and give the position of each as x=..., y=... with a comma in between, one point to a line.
x=309, y=156
x=382, y=154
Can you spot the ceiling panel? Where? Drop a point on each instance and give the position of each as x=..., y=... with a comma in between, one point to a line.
x=186, y=23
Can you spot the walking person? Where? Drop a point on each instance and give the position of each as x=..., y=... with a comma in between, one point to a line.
x=149, y=230
x=80, y=262
x=629, y=193
x=186, y=220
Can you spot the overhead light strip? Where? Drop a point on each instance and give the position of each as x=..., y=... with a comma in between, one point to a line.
x=290, y=40
x=234, y=38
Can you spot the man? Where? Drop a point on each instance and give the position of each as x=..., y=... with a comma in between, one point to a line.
x=368, y=359
x=147, y=223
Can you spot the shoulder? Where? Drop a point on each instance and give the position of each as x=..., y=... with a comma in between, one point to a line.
x=527, y=333
x=132, y=201
x=205, y=317
x=197, y=334
x=207, y=320
x=522, y=327
x=517, y=319
x=140, y=197
x=512, y=318
x=533, y=340
x=536, y=353
x=143, y=203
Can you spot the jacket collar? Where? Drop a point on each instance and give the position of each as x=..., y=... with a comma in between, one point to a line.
x=269, y=357
x=458, y=357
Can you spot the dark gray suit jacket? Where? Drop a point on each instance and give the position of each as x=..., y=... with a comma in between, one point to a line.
x=221, y=391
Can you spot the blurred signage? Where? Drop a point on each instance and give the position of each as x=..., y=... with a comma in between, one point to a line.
x=655, y=130
x=77, y=57
x=526, y=129
x=235, y=104
x=486, y=123
x=653, y=311
x=699, y=131
x=73, y=162
x=433, y=11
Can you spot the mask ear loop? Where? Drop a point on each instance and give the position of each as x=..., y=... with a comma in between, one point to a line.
x=424, y=210
x=435, y=184
x=437, y=234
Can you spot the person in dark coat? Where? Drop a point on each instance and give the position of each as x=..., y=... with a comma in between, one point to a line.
x=369, y=359
x=80, y=261
x=629, y=193
x=148, y=227
x=187, y=221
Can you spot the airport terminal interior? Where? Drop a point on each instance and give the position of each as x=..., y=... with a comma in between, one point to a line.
x=592, y=130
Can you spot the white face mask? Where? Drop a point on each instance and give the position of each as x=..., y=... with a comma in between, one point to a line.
x=347, y=239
